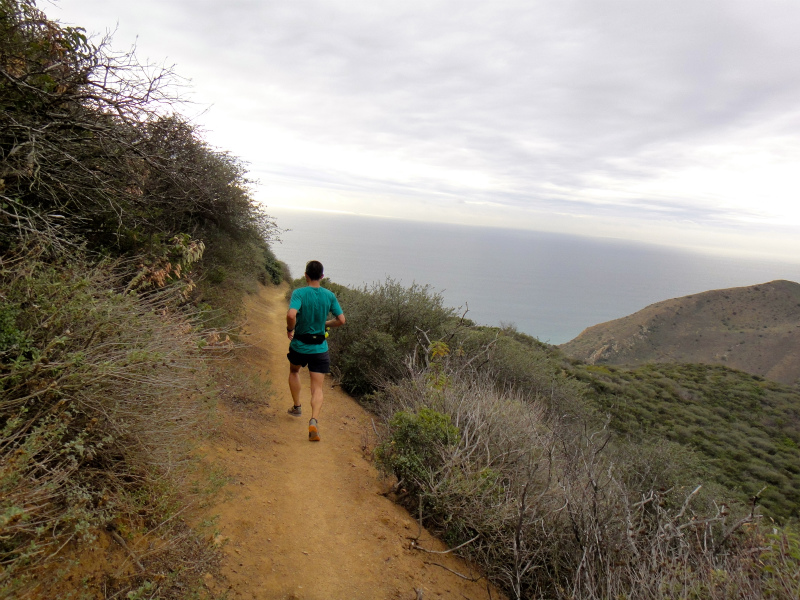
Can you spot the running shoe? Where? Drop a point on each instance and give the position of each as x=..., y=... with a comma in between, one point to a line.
x=313, y=431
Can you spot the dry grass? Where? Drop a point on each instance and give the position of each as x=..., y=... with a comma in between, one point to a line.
x=101, y=395
x=553, y=506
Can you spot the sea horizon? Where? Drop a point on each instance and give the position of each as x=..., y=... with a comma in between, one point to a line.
x=548, y=285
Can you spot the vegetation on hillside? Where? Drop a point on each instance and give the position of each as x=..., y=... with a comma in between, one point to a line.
x=125, y=241
x=512, y=454
x=745, y=428
x=124, y=238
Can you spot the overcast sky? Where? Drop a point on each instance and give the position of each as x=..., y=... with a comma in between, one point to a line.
x=674, y=121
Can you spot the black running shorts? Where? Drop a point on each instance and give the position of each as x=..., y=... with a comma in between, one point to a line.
x=316, y=363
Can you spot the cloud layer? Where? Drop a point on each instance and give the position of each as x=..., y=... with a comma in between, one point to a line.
x=609, y=116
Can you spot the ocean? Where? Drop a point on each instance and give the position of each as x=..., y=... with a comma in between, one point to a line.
x=549, y=285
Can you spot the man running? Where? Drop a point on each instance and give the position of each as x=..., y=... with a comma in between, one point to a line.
x=306, y=323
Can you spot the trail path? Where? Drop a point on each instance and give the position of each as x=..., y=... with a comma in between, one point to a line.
x=305, y=520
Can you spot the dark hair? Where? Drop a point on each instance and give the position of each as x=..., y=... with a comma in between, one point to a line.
x=314, y=270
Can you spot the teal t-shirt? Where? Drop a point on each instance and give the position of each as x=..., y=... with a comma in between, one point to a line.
x=313, y=306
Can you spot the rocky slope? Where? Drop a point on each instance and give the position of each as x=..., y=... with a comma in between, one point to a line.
x=755, y=329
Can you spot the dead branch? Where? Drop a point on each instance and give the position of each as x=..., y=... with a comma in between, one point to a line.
x=416, y=546
x=118, y=538
x=473, y=579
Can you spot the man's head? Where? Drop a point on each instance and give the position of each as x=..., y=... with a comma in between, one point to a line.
x=314, y=270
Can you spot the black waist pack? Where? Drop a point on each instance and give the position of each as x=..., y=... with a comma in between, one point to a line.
x=310, y=338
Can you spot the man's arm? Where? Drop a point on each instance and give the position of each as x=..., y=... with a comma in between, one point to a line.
x=291, y=322
x=337, y=322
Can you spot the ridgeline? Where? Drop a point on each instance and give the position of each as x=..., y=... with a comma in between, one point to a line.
x=755, y=329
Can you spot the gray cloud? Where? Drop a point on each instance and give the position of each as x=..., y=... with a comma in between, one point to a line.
x=536, y=94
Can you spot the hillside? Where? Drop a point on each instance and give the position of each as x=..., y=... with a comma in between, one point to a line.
x=126, y=245
x=743, y=431
x=755, y=329
x=143, y=453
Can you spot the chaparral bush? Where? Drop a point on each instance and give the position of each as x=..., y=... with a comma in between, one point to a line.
x=385, y=323
x=495, y=446
x=101, y=393
x=116, y=218
x=554, y=506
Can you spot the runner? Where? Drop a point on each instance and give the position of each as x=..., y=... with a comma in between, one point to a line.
x=306, y=325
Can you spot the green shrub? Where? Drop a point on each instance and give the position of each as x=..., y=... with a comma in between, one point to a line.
x=779, y=564
x=415, y=440
x=387, y=326
x=216, y=275
x=276, y=271
x=116, y=170
x=103, y=379
x=101, y=395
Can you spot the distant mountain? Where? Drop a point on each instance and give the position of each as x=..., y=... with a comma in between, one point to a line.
x=755, y=329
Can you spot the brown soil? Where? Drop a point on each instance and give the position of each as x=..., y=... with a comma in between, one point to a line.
x=307, y=520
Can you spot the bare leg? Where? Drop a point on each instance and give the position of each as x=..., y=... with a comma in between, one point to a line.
x=317, y=380
x=294, y=383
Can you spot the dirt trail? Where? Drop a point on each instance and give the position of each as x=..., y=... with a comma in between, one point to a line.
x=307, y=520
